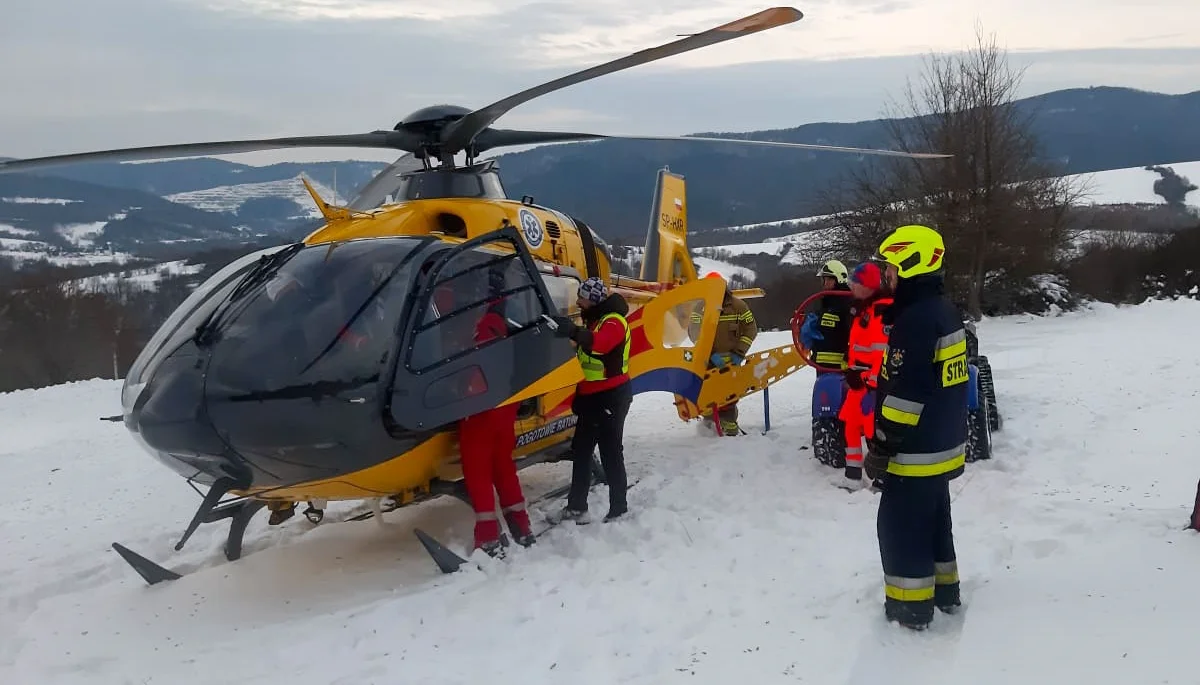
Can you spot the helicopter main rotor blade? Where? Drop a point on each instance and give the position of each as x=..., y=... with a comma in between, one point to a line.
x=459, y=134
x=493, y=138
x=399, y=140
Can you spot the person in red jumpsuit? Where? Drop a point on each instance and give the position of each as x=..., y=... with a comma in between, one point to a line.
x=868, y=342
x=486, y=442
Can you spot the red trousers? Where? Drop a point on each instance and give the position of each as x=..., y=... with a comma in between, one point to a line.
x=858, y=426
x=486, y=442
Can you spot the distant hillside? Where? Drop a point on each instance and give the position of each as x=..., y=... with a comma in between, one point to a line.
x=609, y=183
x=74, y=220
x=188, y=175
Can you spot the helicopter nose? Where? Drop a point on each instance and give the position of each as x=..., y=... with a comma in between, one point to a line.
x=169, y=419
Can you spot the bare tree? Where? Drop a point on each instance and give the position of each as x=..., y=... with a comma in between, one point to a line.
x=1003, y=213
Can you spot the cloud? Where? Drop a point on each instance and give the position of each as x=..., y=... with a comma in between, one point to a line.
x=142, y=72
x=359, y=10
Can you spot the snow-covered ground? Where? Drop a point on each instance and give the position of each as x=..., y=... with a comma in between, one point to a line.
x=740, y=563
x=23, y=249
x=141, y=279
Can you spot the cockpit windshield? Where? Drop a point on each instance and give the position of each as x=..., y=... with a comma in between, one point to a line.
x=182, y=323
x=329, y=314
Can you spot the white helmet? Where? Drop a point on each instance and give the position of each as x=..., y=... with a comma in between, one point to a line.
x=835, y=270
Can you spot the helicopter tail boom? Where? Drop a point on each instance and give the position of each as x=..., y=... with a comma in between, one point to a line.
x=666, y=258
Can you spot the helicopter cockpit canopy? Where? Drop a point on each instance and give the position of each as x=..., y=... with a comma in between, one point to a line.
x=385, y=338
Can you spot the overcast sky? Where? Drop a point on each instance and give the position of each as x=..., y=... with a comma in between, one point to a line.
x=93, y=74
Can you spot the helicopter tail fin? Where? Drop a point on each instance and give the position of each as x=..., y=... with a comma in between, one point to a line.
x=667, y=259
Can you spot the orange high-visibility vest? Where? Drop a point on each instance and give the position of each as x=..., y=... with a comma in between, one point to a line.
x=868, y=341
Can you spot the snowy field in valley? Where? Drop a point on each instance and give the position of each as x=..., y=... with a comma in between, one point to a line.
x=1133, y=185
x=741, y=562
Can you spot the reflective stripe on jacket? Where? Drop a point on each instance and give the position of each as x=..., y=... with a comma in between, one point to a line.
x=868, y=340
x=833, y=319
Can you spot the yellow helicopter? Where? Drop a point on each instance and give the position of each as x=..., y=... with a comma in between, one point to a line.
x=337, y=367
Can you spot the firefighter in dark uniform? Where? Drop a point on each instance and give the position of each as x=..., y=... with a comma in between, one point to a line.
x=826, y=333
x=920, y=430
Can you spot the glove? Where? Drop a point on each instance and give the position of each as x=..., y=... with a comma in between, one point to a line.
x=878, y=456
x=808, y=332
x=718, y=360
x=737, y=359
x=854, y=379
x=867, y=406
x=566, y=327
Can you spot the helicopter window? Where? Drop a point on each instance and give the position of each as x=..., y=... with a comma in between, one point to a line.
x=328, y=315
x=563, y=292
x=682, y=324
x=480, y=296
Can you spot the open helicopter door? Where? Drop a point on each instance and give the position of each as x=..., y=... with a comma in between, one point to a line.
x=451, y=364
x=669, y=362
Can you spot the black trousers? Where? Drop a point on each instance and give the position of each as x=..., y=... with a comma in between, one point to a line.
x=601, y=423
x=916, y=546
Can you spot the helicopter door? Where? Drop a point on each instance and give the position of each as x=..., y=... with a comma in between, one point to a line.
x=476, y=336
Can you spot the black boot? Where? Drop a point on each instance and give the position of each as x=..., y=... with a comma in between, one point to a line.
x=615, y=513
x=947, y=598
x=912, y=615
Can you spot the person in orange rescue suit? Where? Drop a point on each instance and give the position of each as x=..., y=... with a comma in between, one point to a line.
x=736, y=331
x=486, y=442
x=868, y=340
x=602, y=398
x=920, y=430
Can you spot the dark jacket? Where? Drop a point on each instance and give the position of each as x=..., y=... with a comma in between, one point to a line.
x=833, y=318
x=921, y=406
x=606, y=340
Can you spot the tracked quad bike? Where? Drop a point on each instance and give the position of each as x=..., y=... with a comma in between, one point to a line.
x=983, y=415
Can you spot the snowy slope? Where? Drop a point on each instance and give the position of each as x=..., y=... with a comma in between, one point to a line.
x=231, y=198
x=741, y=562
x=1135, y=185
x=728, y=271
x=137, y=279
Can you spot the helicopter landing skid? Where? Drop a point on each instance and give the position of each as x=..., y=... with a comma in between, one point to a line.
x=239, y=512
